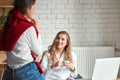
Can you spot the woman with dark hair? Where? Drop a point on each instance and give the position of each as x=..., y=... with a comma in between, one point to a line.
x=20, y=38
x=59, y=62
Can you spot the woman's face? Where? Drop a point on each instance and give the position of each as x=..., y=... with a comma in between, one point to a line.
x=30, y=11
x=61, y=41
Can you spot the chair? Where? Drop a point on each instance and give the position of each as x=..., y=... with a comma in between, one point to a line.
x=79, y=76
x=2, y=70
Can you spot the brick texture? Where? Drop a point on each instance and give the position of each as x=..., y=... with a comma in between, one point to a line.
x=89, y=22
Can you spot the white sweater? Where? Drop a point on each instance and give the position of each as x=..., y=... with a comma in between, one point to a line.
x=21, y=54
x=58, y=73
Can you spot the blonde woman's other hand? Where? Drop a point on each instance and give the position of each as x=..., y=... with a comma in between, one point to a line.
x=70, y=65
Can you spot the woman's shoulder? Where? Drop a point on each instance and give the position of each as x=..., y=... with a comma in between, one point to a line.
x=30, y=30
x=73, y=53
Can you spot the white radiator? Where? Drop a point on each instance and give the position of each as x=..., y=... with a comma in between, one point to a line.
x=86, y=57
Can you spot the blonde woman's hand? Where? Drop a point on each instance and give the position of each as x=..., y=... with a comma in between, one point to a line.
x=54, y=65
x=59, y=63
x=69, y=65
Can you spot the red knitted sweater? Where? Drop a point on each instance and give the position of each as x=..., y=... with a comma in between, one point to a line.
x=18, y=25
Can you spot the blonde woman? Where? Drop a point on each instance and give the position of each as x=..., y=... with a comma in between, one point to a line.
x=59, y=62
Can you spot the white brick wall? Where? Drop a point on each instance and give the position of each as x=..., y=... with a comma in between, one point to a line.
x=89, y=22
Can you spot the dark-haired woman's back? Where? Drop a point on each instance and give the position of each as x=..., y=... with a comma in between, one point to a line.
x=20, y=38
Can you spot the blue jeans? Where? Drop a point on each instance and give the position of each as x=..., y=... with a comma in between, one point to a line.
x=27, y=72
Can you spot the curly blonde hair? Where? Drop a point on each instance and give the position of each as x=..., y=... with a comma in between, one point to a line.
x=52, y=49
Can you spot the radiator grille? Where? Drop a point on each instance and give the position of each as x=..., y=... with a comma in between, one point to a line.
x=86, y=57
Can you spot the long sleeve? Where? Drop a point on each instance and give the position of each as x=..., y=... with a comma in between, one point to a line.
x=40, y=42
x=45, y=63
x=33, y=41
x=74, y=74
x=21, y=53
